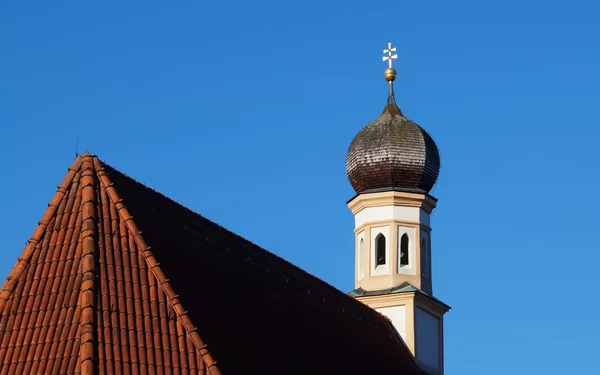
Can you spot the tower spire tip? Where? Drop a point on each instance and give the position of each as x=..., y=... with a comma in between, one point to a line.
x=390, y=73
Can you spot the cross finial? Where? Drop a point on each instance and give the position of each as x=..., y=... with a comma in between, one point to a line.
x=389, y=56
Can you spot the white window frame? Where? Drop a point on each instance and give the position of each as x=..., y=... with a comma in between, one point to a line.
x=408, y=269
x=382, y=269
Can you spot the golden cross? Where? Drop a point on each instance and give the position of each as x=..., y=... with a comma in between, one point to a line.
x=389, y=56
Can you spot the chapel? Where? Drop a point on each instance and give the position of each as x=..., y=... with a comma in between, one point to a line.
x=120, y=279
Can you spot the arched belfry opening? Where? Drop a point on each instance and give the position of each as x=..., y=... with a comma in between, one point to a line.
x=379, y=250
x=404, y=255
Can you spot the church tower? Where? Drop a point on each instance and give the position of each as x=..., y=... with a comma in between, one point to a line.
x=392, y=164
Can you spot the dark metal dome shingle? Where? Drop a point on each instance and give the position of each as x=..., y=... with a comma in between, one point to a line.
x=393, y=153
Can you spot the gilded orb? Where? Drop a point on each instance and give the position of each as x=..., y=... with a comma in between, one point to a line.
x=390, y=74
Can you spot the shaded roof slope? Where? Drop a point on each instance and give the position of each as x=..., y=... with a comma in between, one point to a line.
x=119, y=279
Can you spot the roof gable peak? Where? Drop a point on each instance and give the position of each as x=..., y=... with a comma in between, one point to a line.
x=88, y=248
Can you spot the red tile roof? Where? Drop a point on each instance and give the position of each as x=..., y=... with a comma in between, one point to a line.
x=119, y=279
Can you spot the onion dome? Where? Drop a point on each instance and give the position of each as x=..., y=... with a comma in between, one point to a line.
x=392, y=152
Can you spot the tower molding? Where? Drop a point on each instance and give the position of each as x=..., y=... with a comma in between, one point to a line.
x=392, y=198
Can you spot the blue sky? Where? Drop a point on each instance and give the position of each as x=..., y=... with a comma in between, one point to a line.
x=244, y=111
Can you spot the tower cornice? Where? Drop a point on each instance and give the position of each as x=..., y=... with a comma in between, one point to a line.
x=392, y=198
x=420, y=298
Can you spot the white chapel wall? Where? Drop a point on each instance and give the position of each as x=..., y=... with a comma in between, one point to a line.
x=428, y=338
x=397, y=314
x=371, y=214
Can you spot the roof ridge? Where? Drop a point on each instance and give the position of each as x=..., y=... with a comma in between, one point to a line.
x=89, y=255
x=154, y=266
x=23, y=260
